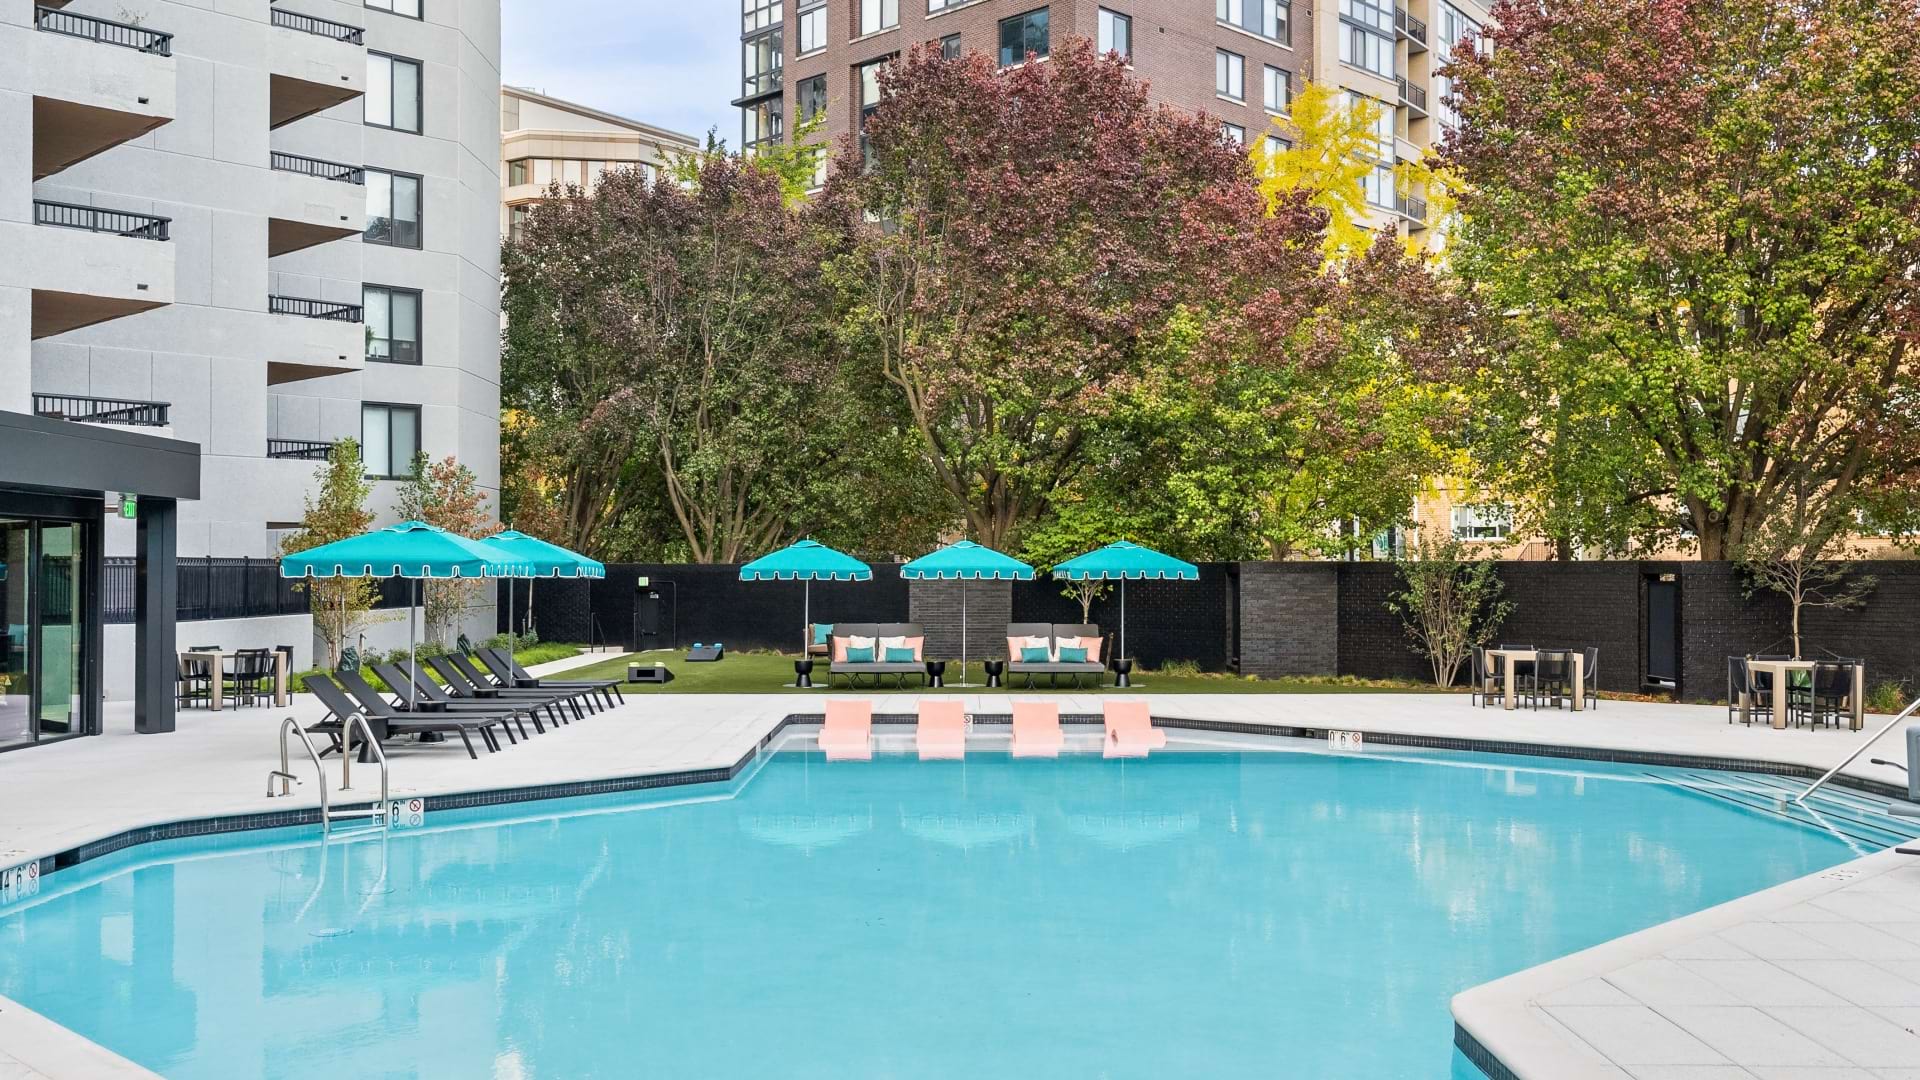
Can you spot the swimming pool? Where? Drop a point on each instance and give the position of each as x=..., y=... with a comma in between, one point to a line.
x=1303, y=915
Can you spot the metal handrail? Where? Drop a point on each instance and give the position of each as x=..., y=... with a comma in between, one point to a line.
x=314, y=309
x=104, y=31
x=287, y=779
x=95, y=219
x=299, y=449
x=1861, y=749
x=92, y=410
x=313, y=24
x=346, y=757
x=281, y=161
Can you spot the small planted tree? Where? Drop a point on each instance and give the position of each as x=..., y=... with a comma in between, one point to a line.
x=1796, y=553
x=1451, y=603
x=336, y=510
x=445, y=494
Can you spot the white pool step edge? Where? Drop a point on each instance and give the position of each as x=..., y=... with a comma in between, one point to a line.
x=52, y=1052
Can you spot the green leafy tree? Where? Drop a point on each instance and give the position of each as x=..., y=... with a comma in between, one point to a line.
x=336, y=509
x=1450, y=603
x=1693, y=228
x=1798, y=553
x=445, y=494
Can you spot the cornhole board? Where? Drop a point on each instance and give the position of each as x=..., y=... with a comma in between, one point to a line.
x=638, y=673
x=706, y=654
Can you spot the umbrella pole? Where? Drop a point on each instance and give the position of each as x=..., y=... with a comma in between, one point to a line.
x=510, y=615
x=806, y=614
x=1123, y=618
x=413, y=652
x=963, y=631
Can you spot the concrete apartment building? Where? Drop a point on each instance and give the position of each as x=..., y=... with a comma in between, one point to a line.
x=239, y=231
x=544, y=140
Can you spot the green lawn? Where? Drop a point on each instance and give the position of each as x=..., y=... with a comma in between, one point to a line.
x=760, y=673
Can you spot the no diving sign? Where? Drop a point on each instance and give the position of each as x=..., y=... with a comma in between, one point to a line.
x=19, y=882
x=407, y=813
x=1346, y=740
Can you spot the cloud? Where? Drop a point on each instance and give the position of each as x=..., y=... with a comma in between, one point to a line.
x=675, y=63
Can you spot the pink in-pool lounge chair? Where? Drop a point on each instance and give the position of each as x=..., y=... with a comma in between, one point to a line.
x=1130, y=730
x=1036, y=729
x=942, y=731
x=848, y=733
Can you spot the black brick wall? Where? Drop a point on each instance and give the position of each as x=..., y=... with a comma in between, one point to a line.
x=935, y=605
x=1166, y=620
x=1289, y=619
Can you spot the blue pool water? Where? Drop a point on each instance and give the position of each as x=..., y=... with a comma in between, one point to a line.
x=1223, y=915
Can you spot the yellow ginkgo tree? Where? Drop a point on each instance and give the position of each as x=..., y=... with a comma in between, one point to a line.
x=1329, y=145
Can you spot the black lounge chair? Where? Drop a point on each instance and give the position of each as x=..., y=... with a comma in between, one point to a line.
x=364, y=693
x=388, y=722
x=508, y=670
x=463, y=681
x=430, y=696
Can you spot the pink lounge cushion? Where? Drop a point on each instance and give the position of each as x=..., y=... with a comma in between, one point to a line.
x=942, y=730
x=919, y=647
x=1091, y=644
x=1036, y=729
x=839, y=649
x=1130, y=725
x=848, y=730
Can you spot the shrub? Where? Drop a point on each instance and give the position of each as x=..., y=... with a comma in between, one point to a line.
x=1451, y=604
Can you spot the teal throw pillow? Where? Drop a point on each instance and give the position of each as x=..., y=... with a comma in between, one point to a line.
x=1033, y=654
x=1073, y=656
x=899, y=656
x=859, y=656
x=821, y=632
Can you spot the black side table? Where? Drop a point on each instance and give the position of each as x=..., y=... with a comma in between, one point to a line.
x=936, y=673
x=803, y=674
x=1122, y=670
x=994, y=670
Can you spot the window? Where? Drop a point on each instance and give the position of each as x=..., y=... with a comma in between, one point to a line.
x=813, y=28
x=1234, y=133
x=1279, y=94
x=393, y=92
x=409, y=8
x=878, y=15
x=519, y=171
x=1230, y=75
x=759, y=14
x=1382, y=122
x=393, y=209
x=1454, y=28
x=1367, y=37
x=1277, y=145
x=810, y=98
x=942, y=5
x=393, y=324
x=867, y=78
x=762, y=122
x=1116, y=34
x=389, y=439
x=760, y=64
x=1377, y=185
x=1023, y=36
x=1267, y=18
x=950, y=47
x=819, y=168
x=1489, y=522
x=517, y=222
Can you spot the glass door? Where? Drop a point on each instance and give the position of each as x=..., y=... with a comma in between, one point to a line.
x=16, y=689
x=62, y=631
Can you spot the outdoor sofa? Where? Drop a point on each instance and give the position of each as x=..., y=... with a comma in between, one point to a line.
x=879, y=667
x=1088, y=635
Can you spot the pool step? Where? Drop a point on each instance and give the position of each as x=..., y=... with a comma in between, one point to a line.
x=1853, y=817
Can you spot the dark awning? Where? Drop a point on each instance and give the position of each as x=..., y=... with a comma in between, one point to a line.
x=42, y=454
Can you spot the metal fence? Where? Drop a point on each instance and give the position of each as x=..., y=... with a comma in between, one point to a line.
x=94, y=219
x=212, y=588
x=313, y=24
x=325, y=170
x=313, y=309
x=299, y=449
x=92, y=410
x=105, y=31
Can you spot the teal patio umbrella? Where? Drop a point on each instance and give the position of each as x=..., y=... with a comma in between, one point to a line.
x=413, y=550
x=544, y=560
x=966, y=561
x=1123, y=561
x=806, y=561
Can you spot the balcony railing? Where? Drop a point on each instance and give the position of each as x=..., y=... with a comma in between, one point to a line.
x=1411, y=95
x=325, y=170
x=91, y=410
x=1414, y=30
x=105, y=31
x=313, y=24
x=1414, y=210
x=94, y=219
x=314, y=309
x=298, y=449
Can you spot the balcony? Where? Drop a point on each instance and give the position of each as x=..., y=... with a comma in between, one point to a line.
x=314, y=339
x=91, y=410
x=1412, y=31
x=1413, y=97
x=298, y=450
x=314, y=201
x=91, y=264
x=314, y=64
x=1414, y=210
x=96, y=84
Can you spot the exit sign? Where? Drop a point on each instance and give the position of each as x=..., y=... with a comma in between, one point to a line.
x=129, y=506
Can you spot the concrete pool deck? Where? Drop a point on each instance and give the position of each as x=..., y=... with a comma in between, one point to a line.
x=1598, y=1013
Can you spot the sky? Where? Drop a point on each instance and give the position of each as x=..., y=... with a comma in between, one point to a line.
x=675, y=63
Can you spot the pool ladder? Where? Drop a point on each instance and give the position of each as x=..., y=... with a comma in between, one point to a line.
x=328, y=815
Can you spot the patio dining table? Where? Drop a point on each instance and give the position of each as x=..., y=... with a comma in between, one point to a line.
x=1780, y=669
x=217, y=661
x=1514, y=657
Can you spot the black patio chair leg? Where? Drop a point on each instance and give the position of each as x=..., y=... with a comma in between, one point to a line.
x=520, y=721
x=468, y=743
x=508, y=728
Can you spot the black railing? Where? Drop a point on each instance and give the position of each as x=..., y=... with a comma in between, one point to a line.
x=227, y=589
x=1413, y=28
x=325, y=170
x=92, y=410
x=298, y=449
x=314, y=309
x=313, y=24
x=1413, y=209
x=104, y=31
x=94, y=219
x=1414, y=96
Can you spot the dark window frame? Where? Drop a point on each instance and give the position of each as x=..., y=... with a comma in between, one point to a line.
x=421, y=17
x=950, y=47
x=420, y=101
x=419, y=436
x=803, y=90
x=419, y=323
x=420, y=210
x=1024, y=20
x=1120, y=17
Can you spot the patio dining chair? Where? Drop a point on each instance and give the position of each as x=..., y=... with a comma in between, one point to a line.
x=1488, y=684
x=252, y=676
x=193, y=682
x=1552, y=671
x=1740, y=687
x=1591, y=676
x=1829, y=695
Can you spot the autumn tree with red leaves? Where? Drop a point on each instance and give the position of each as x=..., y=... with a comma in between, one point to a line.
x=1697, y=226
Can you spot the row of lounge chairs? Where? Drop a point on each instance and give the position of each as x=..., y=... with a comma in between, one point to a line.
x=468, y=700
x=940, y=730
